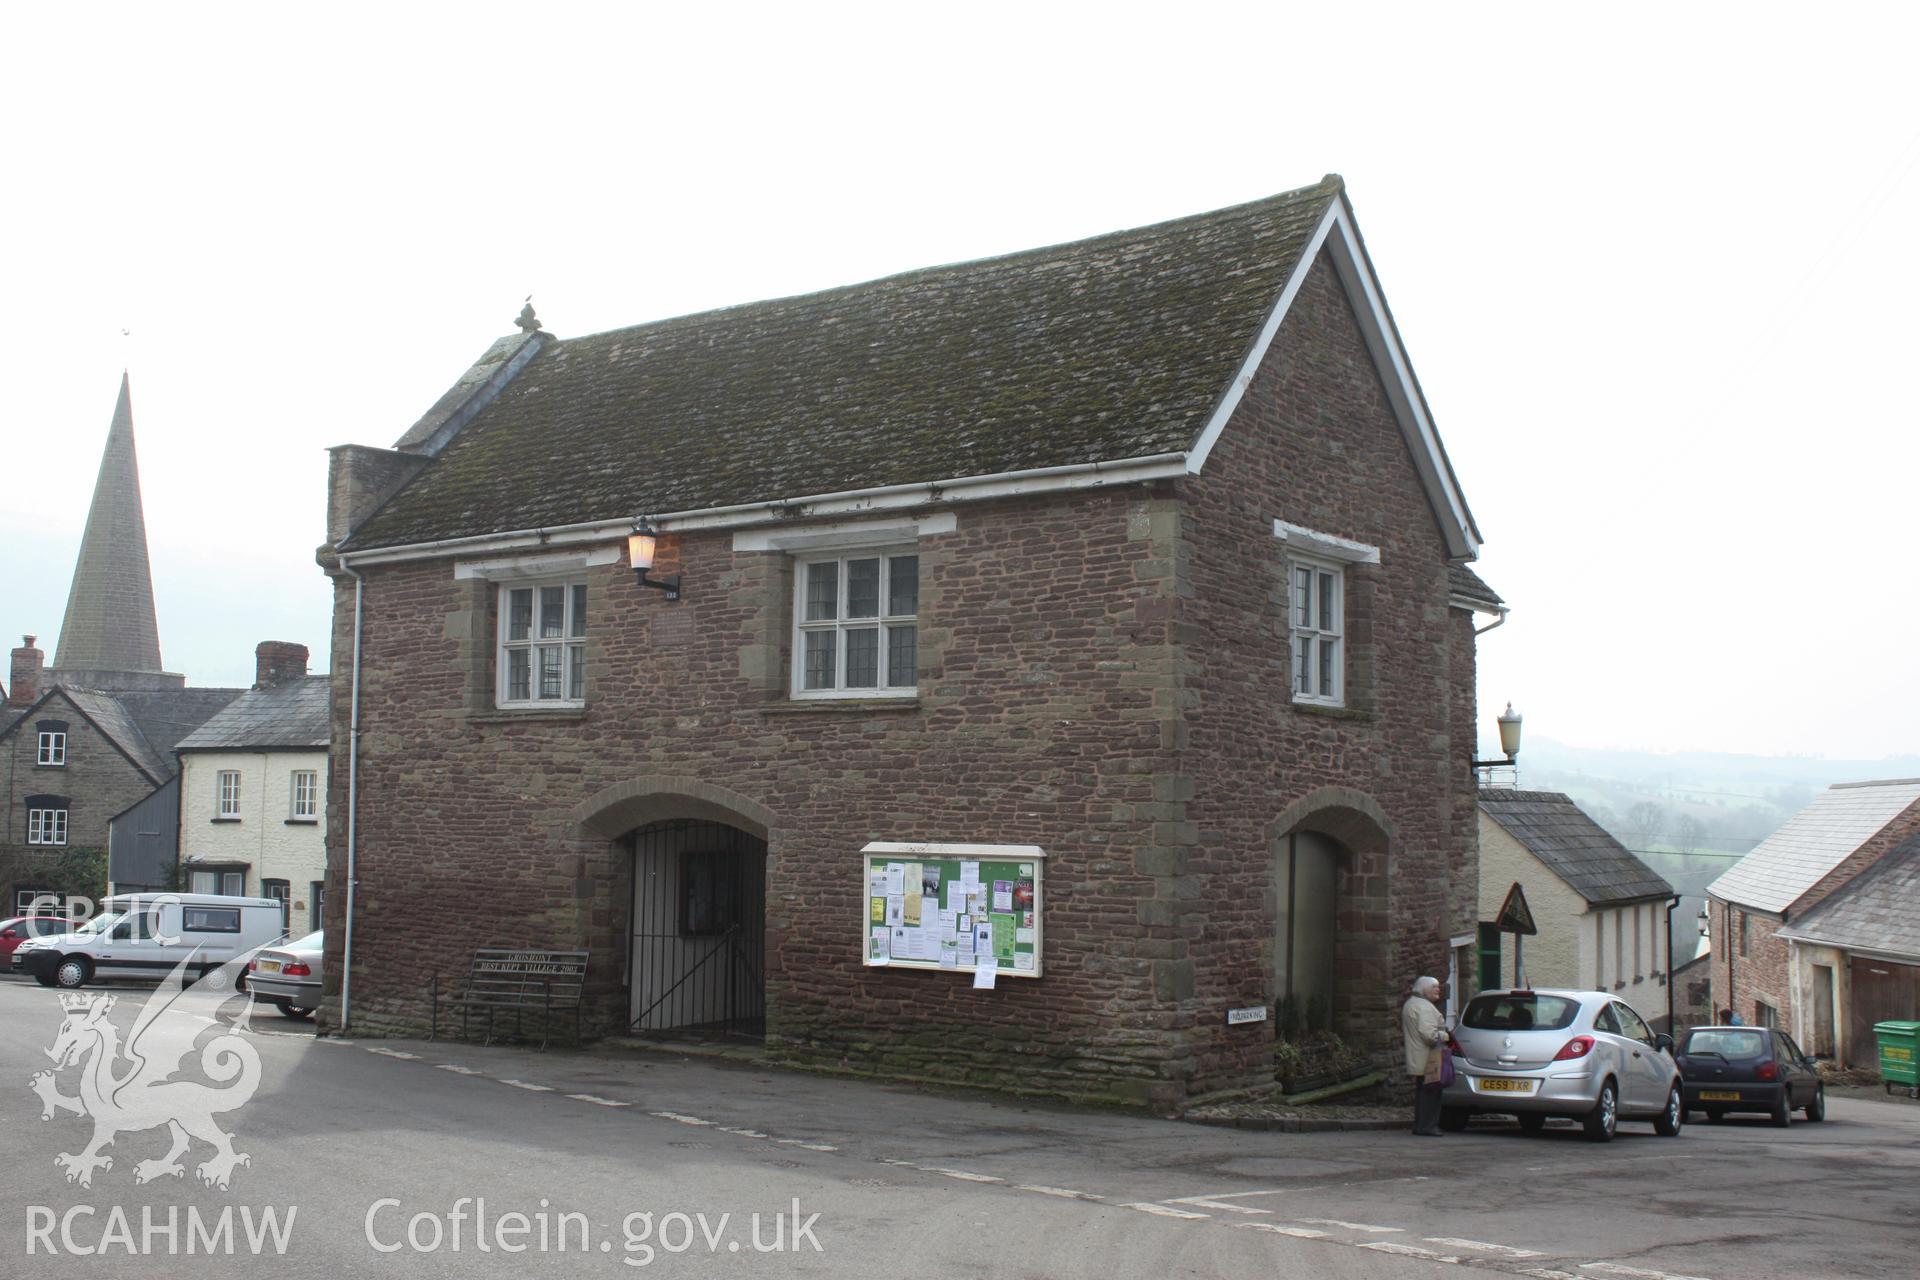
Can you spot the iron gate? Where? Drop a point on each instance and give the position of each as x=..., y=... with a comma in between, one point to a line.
x=699, y=928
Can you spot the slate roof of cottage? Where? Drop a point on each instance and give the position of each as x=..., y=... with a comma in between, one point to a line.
x=1573, y=846
x=294, y=715
x=1874, y=911
x=1781, y=868
x=114, y=720
x=1117, y=347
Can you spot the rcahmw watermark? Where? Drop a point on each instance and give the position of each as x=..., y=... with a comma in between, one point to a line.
x=84, y=1231
x=467, y=1225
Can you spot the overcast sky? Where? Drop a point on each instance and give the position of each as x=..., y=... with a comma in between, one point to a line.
x=1655, y=266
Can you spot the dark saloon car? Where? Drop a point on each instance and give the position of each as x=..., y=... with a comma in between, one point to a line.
x=1753, y=1069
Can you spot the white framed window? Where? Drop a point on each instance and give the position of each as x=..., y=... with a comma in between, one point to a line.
x=53, y=748
x=543, y=645
x=856, y=624
x=46, y=826
x=1317, y=619
x=306, y=795
x=226, y=794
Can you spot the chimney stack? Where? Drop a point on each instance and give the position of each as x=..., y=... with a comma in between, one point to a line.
x=277, y=662
x=23, y=683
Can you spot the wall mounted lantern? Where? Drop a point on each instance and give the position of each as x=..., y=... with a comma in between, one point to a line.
x=640, y=544
x=1509, y=722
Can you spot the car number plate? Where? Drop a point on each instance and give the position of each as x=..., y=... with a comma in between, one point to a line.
x=268, y=966
x=1719, y=1095
x=1505, y=1086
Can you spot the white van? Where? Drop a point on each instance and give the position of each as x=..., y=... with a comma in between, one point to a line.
x=144, y=935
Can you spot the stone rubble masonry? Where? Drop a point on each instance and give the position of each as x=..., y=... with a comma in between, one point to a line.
x=23, y=676
x=1103, y=673
x=97, y=780
x=1763, y=974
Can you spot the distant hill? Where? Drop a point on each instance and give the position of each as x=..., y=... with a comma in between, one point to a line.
x=1713, y=806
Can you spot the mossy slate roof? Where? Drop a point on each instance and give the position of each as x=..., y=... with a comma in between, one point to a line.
x=1117, y=347
x=1573, y=846
x=1874, y=911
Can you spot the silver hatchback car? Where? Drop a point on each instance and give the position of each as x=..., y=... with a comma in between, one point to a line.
x=1579, y=1054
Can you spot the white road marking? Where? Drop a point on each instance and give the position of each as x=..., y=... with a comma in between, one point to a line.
x=744, y=1133
x=1302, y=1233
x=1165, y=1211
x=1350, y=1226
x=1208, y=1202
x=1062, y=1192
x=676, y=1116
x=598, y=1102
x=530, y=1088
x=1454, y=1242
x=456, y=1068
x=1619, y=1269
x=806, y=1145
x=1546, y=1273
x=385, y=1052
x=1406, y=1250
x=961, y=1174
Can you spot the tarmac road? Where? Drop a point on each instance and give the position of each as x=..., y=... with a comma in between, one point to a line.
x=360, y=1142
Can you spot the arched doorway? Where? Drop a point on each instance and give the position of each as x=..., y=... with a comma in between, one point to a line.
x=1332, y=945
x=698, y=928
x=1307, y=890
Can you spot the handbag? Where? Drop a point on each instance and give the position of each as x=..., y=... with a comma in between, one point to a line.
x=1439, y=1066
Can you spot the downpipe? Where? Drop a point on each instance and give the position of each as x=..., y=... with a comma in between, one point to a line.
x=353, y=800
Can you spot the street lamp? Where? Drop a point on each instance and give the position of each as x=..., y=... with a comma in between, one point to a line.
x=640, y=547
x=1509, y=722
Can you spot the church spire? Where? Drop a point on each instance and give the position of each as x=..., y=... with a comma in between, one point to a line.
x=110, y=630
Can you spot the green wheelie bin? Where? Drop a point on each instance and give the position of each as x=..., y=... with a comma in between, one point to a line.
x=1899, y=1055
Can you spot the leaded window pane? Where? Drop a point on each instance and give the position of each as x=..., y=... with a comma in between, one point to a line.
x=1327, y=599
x=823, y=589
x=577, y=671
x=863, y=658
x=519, y=613
x=579, y=622
x=553, y=612
x=903, y=586
x=550, y=655
x=1327, y=651
x=819, y=664
x=1302, y=591
x=901, y=657
x=519, y=688
x=863, y=589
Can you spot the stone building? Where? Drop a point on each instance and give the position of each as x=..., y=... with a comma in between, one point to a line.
x=1139, y=553
x=92, y=736
x=1760, y=905
x=1854, y=959
x=1601, y=912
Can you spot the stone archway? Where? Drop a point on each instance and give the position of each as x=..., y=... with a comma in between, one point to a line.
x=688, y=916
x=1332, y=948
x=613, y=811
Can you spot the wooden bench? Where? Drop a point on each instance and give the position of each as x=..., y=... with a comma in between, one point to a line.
x=520, y=979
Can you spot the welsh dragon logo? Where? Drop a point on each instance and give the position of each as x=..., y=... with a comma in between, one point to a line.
x=125, y=1089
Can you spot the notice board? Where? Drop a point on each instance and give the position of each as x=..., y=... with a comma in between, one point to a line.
x=954, y=906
